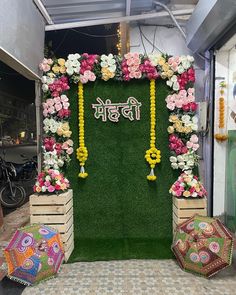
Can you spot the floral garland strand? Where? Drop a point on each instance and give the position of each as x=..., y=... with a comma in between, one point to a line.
x=153, y=155
x=221, y=136
x=82, y=152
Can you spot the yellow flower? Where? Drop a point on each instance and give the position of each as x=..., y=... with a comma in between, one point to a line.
x=165, y=67
x=186, y=194
x=173, y=118
x=61, y=61
x=161, y=61
x=170, y=73
x=38, y=189
x=67, y=134
x=60, y=131
x=62, y=69
x=56, y=69
x=170, y=129
x=65, y=126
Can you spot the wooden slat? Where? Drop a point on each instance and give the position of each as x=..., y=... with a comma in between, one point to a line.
x=52, y=219
x=51, y=209
x=68, y=243
x=190, y=203
x=47, y=199
x=188, y=213
x=66, y=236
x=69, y=251
x=63, y=228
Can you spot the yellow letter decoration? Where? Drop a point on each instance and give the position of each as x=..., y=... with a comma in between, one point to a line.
x=153, y=155
x=82, y=152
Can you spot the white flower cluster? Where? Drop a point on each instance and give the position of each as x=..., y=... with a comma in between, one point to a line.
x=109, y=62
x=189, y=121
x=51, y=125
x=173, y=82
x=73, y=64
x=46, y=80
x=52, y=160
x=185, y=162
x=154, y=58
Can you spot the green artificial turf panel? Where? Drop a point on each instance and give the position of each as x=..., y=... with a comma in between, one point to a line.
x=118, y=214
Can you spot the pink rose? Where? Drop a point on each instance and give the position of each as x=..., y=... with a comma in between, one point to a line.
x=70, y=151
x=47, y=183
x=51, y=189
x=189, y=144
x=193, y=106
x=179, y=103
x=137, y=75
x=170, y=60
x=45, y=113
x=58, y=106
x=50, y=102
x=170, y=106
x=186, y=107
x=184, y=150
x=195, y=146
x=194, y=138
x=83, y=79
x=51, y=110
x=57, y=99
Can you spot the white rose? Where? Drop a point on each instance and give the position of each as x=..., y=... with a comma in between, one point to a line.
x=60, y=162
x=190, y=58
x=174, y=165
x=183, y=58
x=44, y=79
x=47, y=178
x=70, y=71
x=112, y=68
x=76, y=55
x=104, y=64
x=173, y=159
x=186, y=118
x=174, y=78
x=186, y=64
x=55, y=166
x=190, y=163
x=195, y=119
x=169, y=83
x=180, y=69
x=43, y=188
x=176, y=86
x=181, y=165
x=45, y=87
x=194, y=194
x=180, y=158
x=56, y=172
x=77, y=69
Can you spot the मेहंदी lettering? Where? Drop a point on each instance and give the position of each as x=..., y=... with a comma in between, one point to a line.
x=112, y=111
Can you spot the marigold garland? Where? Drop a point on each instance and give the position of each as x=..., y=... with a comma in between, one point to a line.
x=221, y=136
x=82, y=152
x=153, y=155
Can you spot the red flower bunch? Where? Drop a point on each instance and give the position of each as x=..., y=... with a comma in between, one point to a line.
x=192, y=106
x=58, y=86
x=49, y=143
x=87, y=62
x=184, y=78
x=177, y=145
x=149, y=70
x=64, y=113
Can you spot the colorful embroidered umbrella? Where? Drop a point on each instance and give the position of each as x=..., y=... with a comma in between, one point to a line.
x=203, y=245
x=34, y=253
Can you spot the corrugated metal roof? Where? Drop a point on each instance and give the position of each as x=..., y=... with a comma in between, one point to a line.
x=62, y=11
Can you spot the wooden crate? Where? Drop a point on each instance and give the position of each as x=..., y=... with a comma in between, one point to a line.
x=55, y=211
x=185, y=208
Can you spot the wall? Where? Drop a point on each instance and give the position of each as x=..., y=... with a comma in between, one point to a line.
x=22, y=35
x=225, y=67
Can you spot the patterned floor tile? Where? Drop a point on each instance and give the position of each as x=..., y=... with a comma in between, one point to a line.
x=133, y=277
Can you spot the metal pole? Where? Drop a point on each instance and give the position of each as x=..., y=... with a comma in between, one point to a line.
x=38, y=123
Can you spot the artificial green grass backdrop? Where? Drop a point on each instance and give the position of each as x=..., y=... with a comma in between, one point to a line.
x=118, y=214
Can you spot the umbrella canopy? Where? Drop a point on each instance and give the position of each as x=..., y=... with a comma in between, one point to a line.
x=34, y=253
x=203, y=245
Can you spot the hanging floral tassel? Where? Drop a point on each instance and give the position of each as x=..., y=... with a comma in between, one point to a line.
x=82, y=152
x=153, y=155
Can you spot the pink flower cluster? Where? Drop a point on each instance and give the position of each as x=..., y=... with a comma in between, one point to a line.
x=57, y=105
x=177, y=145
x=50, y=145
x=51, y=181
x=174, y=62
x=184, y=78
x=183, y=99
x=188, y=185
x=87, y=62
x=193, y=143
x=87, y=76
x=149, y=69
x=45, y=65
x=131, y=66
x=58, y=86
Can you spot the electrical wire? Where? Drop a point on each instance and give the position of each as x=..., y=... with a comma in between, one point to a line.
x=93, y=35
x=62, y=41
x=154, y=39
x=141, y=36
x=152, y=43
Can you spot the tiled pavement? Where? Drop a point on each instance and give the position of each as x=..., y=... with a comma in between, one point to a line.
x=133, y=277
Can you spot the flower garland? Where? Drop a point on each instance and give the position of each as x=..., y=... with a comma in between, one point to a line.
x=221, y=136
x=82, y=152
x=153, y=155
x=179, y=74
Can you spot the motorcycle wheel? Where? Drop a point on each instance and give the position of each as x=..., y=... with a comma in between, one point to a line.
x=10, y=200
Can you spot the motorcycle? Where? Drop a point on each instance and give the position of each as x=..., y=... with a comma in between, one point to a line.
x=12, y=194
